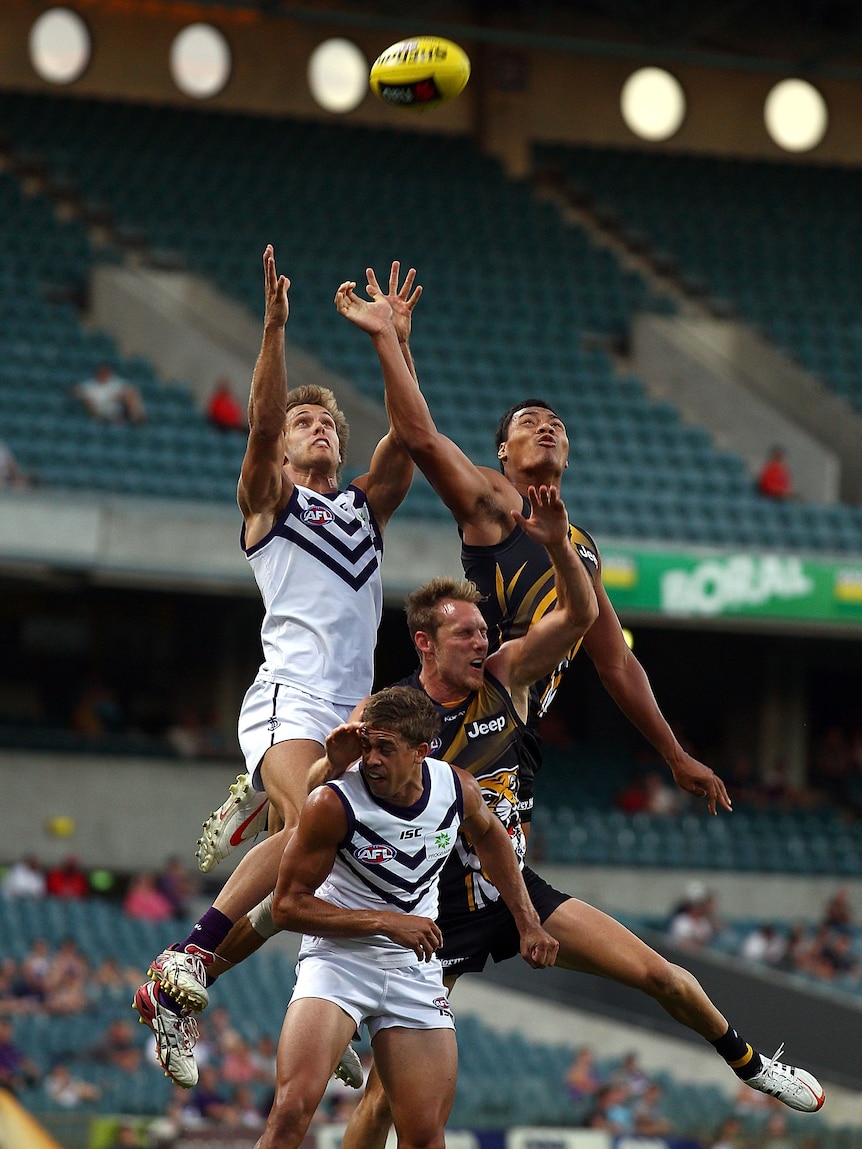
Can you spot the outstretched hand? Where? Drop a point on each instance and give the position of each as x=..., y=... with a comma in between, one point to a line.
x=695, y=778
x=548, y=523
x=372, y=317
x=275, y=291
x=401, y=299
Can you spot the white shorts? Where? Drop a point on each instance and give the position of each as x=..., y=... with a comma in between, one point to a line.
x=411, y=996
x=272, y=712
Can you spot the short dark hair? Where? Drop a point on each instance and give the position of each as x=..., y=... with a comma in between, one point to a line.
x=503, y=426
x=405, y=711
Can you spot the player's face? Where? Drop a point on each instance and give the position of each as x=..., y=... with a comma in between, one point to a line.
x=461, y=645
x=536, y=437
x=390, y=767
x=310, y=438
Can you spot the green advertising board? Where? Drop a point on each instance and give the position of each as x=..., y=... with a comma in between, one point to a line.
x=762, y=586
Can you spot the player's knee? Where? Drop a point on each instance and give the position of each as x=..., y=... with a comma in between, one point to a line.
x=663, y=979
x=290, y=1117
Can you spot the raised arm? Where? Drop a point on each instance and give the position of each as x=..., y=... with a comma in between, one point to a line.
x=500, y=863
x=341, y=750
x=391, y=470
x=627, y=683
x=473, y=494
x=308, y=859
x=521, y=661
x=264, y=488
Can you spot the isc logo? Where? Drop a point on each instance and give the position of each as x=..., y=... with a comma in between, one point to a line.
x=317, y=516
x=374, y=854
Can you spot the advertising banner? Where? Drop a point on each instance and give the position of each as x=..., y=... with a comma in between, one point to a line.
x=762, y=586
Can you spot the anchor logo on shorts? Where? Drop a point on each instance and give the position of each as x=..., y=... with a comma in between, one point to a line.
x=273, y=724
x=442, y=1004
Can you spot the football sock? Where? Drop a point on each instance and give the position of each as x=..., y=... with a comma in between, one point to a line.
x=742, y=1059
x=209, y=931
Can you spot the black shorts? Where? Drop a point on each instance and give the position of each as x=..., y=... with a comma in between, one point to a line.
x=471, y=937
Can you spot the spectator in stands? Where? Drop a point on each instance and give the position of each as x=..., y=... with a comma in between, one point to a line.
x=69, y=1092
x=110, y=983
x=209, y=1099
x=145, y=900
x=126, y=1137
x=17, y=1071
x=582, y=1077
x=97, y=710
x=11, y=474
x=776, y=1134
x=766, y=944
x=613, y=1111
x=66, y=980
x=693, y=923
x=838, y=914
x=832, y=955
x=729, y=1135
x=118, y=1045
x=659, y=798
x=178, y=885
x=224, y=410
x=649, y=1120
x=68, y=880
x=775, y=480
x=630, y=1074
x=237, y=1065
x=24, y=879
x=109, y=398
x=249, y=1114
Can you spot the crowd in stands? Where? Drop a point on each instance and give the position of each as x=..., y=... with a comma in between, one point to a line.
x=825, y=950
x=625, y=1102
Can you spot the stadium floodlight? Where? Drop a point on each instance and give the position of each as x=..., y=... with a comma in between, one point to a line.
x=60, y=45
x=653, y=104
x=796, y=115
x=338, y=75
x=201, y=61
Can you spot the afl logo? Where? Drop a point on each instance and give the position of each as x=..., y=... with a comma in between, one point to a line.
x=435, y=745
x=316, y=516
x=373, y=855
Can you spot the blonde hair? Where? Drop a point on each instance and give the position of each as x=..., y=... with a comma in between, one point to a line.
x=322, y=397
x=422, y=605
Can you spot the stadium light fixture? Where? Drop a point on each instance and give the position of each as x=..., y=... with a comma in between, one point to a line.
x=338, y=75
x=60, y=46
x=201, y=61
x=653, y=104
x=796, y=115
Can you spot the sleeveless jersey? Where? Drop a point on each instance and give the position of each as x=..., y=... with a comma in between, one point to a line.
x=391, y=857
x=318, y=571
x=517, y=579
x=483, y=735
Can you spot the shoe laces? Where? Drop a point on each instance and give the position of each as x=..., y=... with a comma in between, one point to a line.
x=773, y=1061
x=182, y=1031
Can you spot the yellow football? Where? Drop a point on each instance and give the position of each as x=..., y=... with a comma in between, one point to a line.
x=420, y=73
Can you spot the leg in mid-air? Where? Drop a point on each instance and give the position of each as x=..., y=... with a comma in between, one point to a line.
x=183, y=974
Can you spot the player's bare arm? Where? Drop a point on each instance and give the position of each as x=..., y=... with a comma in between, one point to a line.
x=499, y=862
x=263, y=486
x=479, y=498
x=391, y=470
x=520, y=662
x=627, y=683
x=307, y=860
